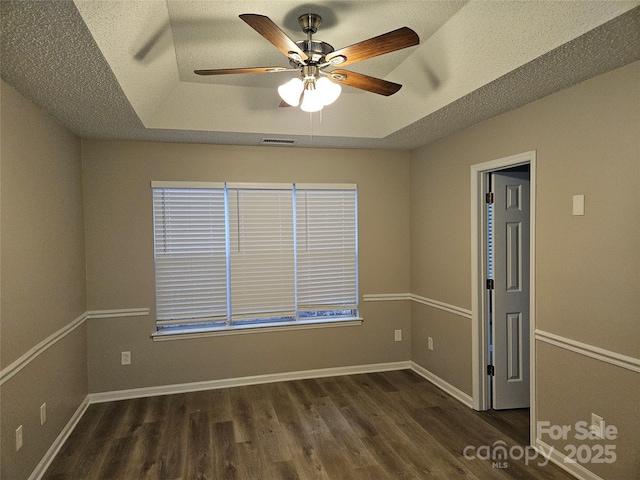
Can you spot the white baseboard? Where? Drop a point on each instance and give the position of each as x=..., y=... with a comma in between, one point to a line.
x=562, y=461
x=41, y=468
x=443, y=385
x=243, y=381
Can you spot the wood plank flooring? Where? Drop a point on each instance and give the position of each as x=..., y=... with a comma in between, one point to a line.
x=388, y=426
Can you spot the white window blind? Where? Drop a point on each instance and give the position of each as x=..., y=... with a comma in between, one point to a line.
x=190, y=255
x=326, y=248
x=242, y=254
x=261, y=253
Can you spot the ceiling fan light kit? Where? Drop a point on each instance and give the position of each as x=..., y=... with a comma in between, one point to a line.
x=291, y=91
x=310, y=92
x=315, y=87
x=330, y=91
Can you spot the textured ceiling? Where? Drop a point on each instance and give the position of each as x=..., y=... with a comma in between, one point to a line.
x=123, y=69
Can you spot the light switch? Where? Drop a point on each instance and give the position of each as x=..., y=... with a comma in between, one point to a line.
x=578, y=204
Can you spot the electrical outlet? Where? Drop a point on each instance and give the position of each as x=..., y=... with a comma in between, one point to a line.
x=18, y=438
x=125, y=358
x=398, y=335
x=597, y=426
x=430, y=343
x=43, y=413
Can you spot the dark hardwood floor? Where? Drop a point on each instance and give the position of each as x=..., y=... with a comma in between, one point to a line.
x=392, y=425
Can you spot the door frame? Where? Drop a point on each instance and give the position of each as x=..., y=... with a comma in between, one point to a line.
x=479, y=331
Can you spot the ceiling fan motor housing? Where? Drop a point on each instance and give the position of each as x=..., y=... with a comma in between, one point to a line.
x=315, y=49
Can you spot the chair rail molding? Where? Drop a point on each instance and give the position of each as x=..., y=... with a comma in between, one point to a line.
x=607, y=356
x=390, y=297
x=33, y=353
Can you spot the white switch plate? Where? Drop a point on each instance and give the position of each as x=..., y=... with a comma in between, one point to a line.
x=430, y=343
x=18, y=438
x=398, y=335
x=578, y=204
x=125, y=358
x=597, y=426
x=43, y=413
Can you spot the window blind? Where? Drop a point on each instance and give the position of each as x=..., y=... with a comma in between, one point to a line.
x=238, y=254
x=190, y=255
x=261, y=252
x=326, y=248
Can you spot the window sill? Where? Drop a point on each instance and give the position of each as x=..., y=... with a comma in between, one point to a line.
x=245, y=329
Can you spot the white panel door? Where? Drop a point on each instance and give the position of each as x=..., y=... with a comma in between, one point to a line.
x=510, y=325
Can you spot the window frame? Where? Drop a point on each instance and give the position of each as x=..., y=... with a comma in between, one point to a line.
x=167, y=330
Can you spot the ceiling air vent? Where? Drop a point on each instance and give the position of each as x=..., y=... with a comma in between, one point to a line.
x=277, y=141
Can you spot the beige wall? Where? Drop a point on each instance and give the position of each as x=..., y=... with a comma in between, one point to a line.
x=413, y=239
x=119, y=244
x=42, y=277
x=588, y=268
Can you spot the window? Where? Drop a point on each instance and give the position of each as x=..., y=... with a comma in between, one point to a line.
x=230, y=256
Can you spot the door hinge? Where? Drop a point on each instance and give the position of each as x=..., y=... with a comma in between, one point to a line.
x=490, y=197
x=490, y=370
x=490, y=284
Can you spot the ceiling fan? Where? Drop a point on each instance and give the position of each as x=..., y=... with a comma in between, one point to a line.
x=316, y=86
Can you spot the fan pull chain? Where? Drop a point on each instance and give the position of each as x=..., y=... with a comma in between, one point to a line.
x=311, y=125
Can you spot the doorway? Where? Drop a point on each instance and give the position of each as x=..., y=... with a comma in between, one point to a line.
x=507, y=351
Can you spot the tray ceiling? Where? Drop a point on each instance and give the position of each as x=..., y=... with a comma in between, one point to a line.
x=124, y=69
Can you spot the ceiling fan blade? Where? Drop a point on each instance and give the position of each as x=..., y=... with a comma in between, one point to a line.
x=386, y=43
x=227, y=71
x=364, y=82
x=269, y=30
